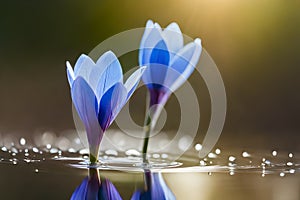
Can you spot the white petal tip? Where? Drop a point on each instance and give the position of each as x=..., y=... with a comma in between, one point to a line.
x=149, y=24
x=198, y=41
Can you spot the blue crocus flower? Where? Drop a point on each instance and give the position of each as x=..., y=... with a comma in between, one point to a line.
x=169, y=62
x=98, y=94
x=91, y=188
x=155, y=188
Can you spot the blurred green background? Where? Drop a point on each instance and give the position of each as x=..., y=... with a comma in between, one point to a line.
x=255, y=44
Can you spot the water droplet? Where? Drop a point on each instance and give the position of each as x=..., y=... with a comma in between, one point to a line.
x=54, y=150
x=291, y=155
x=14, y=150
x=218, y=151
x=268, y=162
x=36, y=170
x=246, y=154
x=111, y=152
x=231, y=158
x=156, y=155
x=289, y=164
x=263, y=175
x=48, y=146
x=71, y=150
x=212, y=155
x=198, y=147
x=22, y=141
x=209, y=173
x=4, y=149
x=282, y=174
x=231, y=173
x=14, y=162
x=292, y=171
x=202, y=163
x=84, y=151
x=132, y=152
x=164, y=156
x=35, y=150
x=274, y=153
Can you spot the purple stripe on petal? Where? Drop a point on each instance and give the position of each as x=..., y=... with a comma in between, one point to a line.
x=84, y=101
x=110, y=104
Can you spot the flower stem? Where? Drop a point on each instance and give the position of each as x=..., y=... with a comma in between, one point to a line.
x=147, y=130
x=93, y=159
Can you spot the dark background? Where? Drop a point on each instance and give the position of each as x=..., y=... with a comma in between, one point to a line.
x=255, y=45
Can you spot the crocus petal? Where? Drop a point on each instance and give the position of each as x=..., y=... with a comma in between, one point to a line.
x=84, y=101
x=133, y=80
x=110, y=104
x=154, y=36
x=111, y=75
x=83, y=67
x=183, y=64
x=81, y=190
x=156, y=71
x=173, y=37
x=148, y=29
x=108, y=191
x=106, y=60
x=70, y=73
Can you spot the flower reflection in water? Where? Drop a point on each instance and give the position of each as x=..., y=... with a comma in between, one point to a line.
x=92, y=188
x=155, y=188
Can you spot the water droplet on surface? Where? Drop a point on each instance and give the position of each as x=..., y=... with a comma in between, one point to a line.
x=218, y=151
x=246, y=154
x=274, y=153
x=84, y=151
x=202, y=163
x=71, y=150
x=291, y=155
x=22, y=141
x=4, y=149
x=292, y=171
x=289, y=164
x=231, y=158
x=198, y=147
x=282, y=174
x=111, y=152
x=54, y=150
x=132, y=152
x=156, y=155
x=164, y=156
x=209, y=173
x=263, y=175
x=212, y=155
x=35, y=150
x=48, y=146
x=231, y=173
x=36, y=170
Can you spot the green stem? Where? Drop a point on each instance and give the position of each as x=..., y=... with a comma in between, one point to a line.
x=93, y=159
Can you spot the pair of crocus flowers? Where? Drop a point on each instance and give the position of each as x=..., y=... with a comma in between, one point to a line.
x=97, y=89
